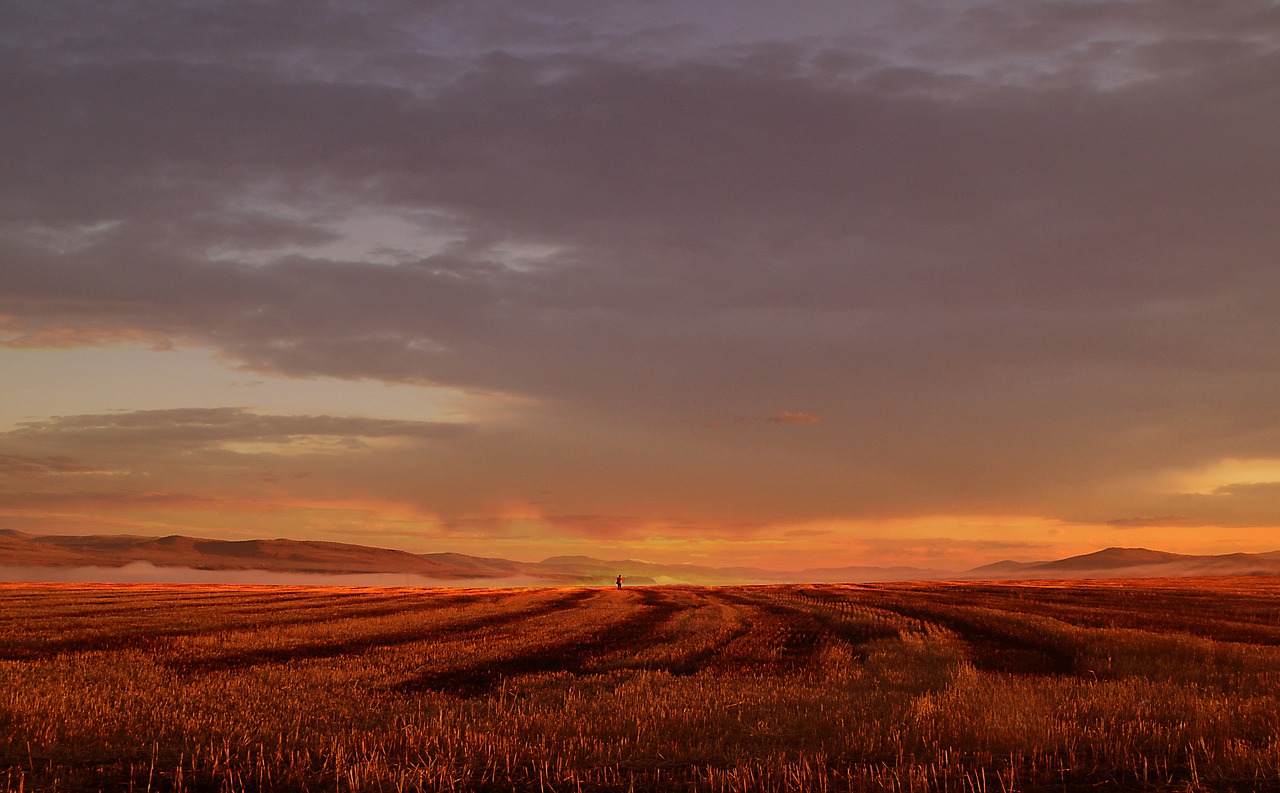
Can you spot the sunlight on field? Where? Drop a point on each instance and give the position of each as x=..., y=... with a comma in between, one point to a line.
x=1147, y=685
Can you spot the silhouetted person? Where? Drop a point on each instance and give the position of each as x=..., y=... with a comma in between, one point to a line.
x=619, y=582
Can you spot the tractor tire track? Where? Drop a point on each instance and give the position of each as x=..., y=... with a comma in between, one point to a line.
x=127, y=637
x=993, y=648
x=316, y=650
x=576, y=654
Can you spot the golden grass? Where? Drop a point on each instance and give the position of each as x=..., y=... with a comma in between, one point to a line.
x=796, y=688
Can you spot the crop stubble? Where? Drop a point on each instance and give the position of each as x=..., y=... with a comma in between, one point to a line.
x=1141, y=684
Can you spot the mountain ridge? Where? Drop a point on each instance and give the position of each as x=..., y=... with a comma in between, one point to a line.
x=26, y=555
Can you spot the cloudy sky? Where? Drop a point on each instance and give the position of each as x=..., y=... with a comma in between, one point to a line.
x=788, y=284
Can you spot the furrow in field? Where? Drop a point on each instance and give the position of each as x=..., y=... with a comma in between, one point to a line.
x=52, y=637
x=1217, y=616
x=310, y=650
x=780, y=637
x=697, y=635
x=584, y=644
x=997, y=640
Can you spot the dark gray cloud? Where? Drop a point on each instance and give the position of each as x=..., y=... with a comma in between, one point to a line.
x=1028, y=248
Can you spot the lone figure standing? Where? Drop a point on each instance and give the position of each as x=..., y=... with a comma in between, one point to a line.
x=619, y=582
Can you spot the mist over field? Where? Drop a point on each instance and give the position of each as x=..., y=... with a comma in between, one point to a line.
x=147, y=573
x=177, y=559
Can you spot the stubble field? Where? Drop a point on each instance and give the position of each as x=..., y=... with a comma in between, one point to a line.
x=1160, y=685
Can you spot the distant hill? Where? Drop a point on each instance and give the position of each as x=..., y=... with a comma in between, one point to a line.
x=1135, y=563
x=1113, y=559
x=1002, y=567
x=293, y=556
x=33, y=553
x=86, y=557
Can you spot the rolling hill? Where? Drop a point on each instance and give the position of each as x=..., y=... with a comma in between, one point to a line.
x=91, y=557
x=1135, y=563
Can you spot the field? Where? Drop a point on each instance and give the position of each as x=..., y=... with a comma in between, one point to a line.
x=1148, y=685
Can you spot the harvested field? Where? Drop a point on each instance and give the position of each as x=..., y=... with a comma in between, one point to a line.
x=1145, y=685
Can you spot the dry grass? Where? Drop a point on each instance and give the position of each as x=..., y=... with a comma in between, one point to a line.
x=1145, y=685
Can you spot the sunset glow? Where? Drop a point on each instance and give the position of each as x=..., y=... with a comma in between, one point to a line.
x=861, y=284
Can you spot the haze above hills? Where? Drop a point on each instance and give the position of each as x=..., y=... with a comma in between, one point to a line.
x=29, y=557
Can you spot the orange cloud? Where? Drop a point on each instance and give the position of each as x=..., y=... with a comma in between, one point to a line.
x=27, y=467
x=796, y=417
x=1153, y=522
x=52, y=334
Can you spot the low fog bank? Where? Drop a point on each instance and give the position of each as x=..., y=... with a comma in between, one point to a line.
x=1174, y=570
x=147, y=573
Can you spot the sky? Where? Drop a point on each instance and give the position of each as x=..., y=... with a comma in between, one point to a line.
x=800, y=284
